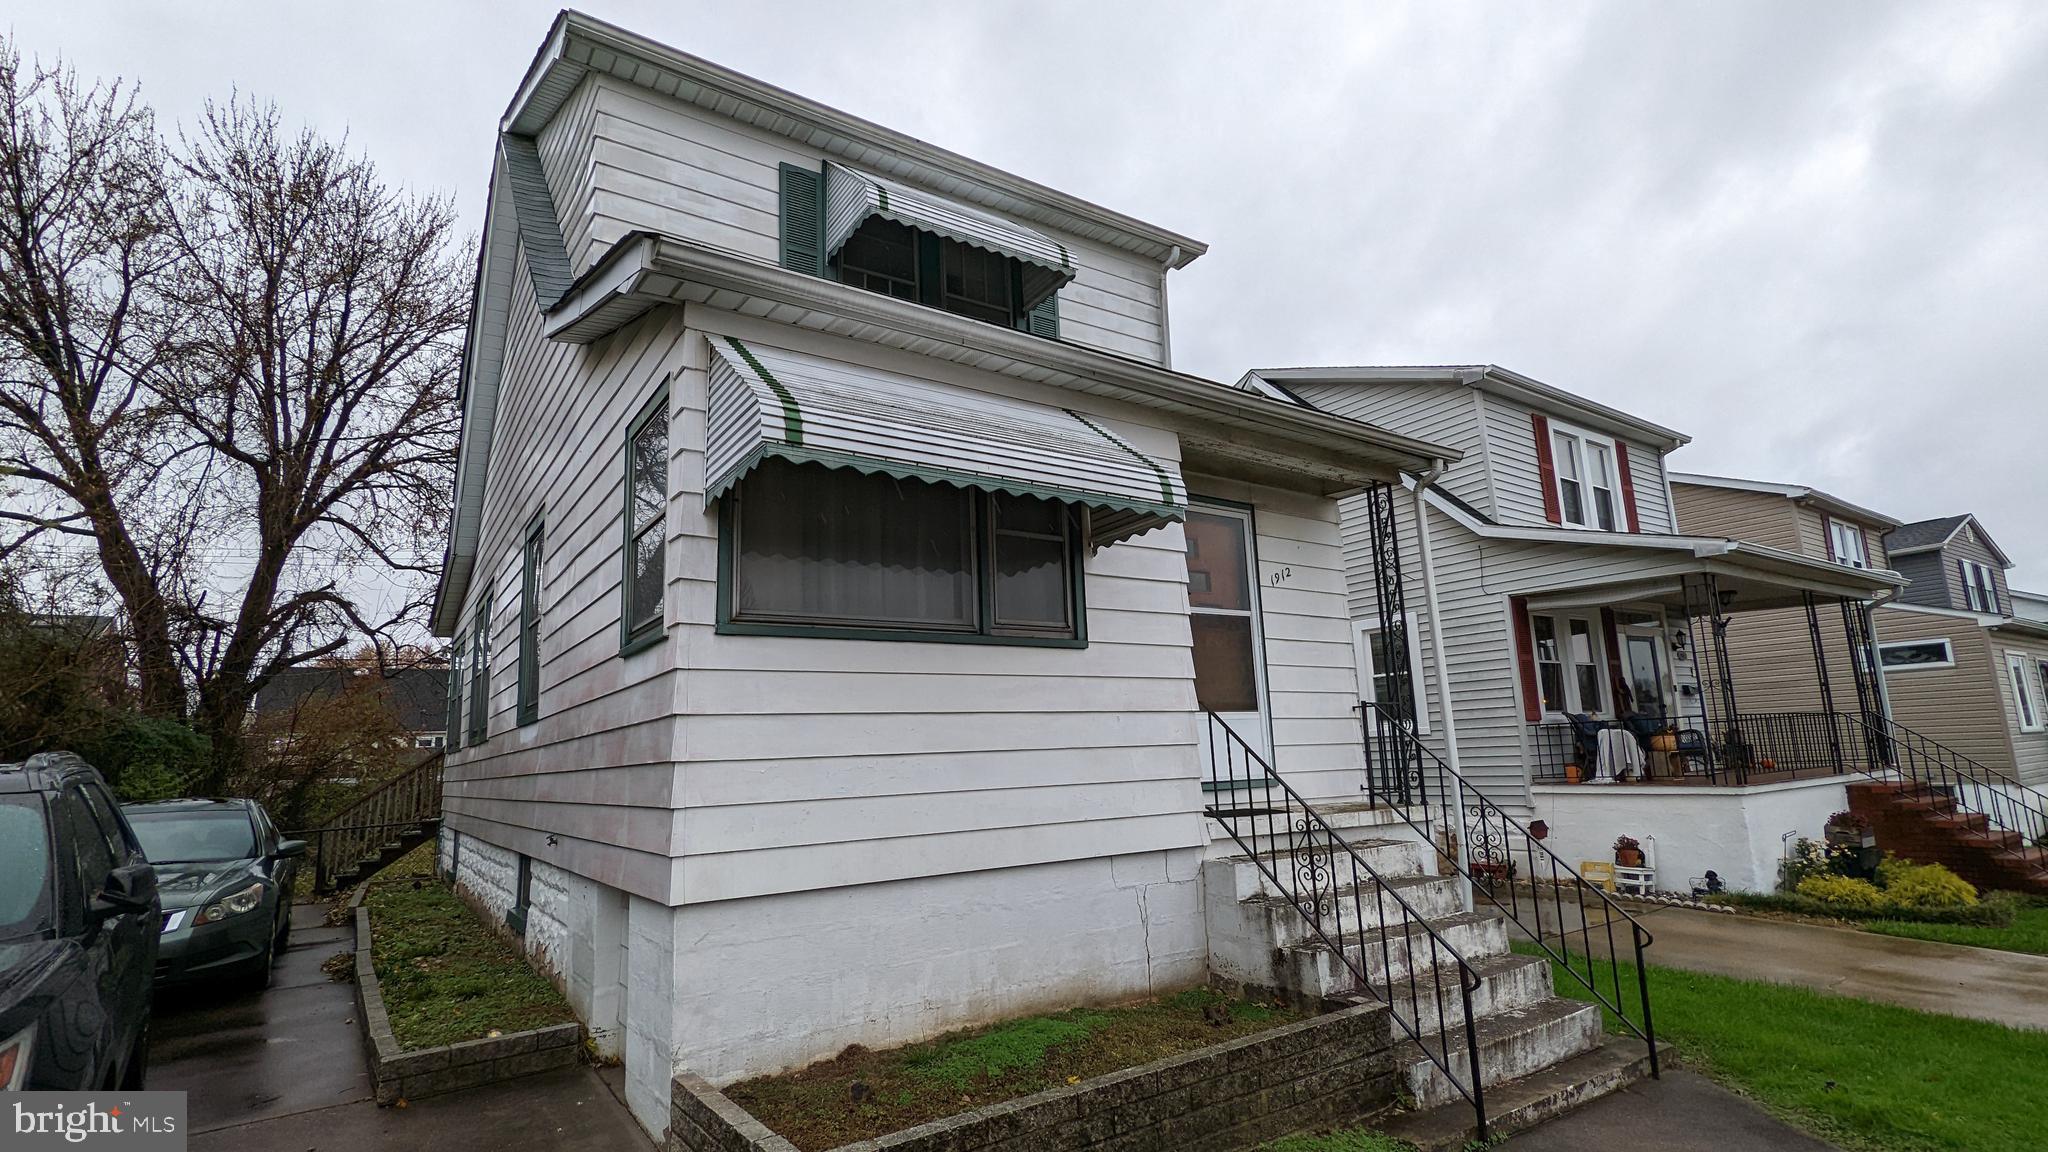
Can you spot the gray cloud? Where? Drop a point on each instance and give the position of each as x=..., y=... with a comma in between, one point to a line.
x=1812, y=236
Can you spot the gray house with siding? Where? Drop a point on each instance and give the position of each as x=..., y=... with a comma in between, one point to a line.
x=1570, y=603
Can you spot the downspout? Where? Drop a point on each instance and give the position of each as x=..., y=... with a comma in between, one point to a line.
x=1442, y=674
x=1165, y=315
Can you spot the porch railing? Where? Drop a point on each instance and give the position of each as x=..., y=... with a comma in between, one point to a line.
x=1757, y=748
x=1578, y=926
x=1349, y=908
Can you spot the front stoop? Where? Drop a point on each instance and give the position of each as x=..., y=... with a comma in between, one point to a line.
x=1924, y=825
x=1518, y=1105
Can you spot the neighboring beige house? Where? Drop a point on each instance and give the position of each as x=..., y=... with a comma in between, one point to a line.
x=1961, y=668
x=1966, y=656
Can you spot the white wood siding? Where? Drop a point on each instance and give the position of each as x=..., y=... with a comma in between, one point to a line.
x=566, y=145
x=664, y=166
x=1646, y=474
x=1446, y=414
x=813, y=763
x=596, y=770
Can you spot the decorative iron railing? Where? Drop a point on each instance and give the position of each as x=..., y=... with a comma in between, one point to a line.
x=405, y=802
x=2013, y=812
x=1349, y=908
x=1757, y=747
x=1548, y=902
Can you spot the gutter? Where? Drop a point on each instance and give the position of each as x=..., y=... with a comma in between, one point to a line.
x=1441, y=668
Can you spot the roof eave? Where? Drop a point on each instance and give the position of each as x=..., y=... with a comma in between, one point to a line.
x=1487, y=377
x=554, y=72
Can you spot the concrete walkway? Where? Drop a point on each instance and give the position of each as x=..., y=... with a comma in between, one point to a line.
x=2003, y=987
x=284, y=1069
x=1683, y=1112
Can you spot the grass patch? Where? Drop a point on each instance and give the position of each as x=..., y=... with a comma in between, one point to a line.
x=861, y=1094
x=1863, y=1075
x=2028, y=932
x=447, y=977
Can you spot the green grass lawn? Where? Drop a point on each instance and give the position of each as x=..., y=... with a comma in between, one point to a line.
x=2028, y=932
x=1863, y=1075
x=445, y=975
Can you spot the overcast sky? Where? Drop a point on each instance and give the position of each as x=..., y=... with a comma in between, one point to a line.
x=1812, y=236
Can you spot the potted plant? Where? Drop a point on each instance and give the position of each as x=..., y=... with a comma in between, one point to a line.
x=1851, y=830
x=1573, y=774
x=1628, y=852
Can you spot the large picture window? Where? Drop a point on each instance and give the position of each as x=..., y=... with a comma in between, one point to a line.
x=646, y=512
x=814, y=550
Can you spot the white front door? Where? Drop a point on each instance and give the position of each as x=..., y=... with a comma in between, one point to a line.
x=1223, y=615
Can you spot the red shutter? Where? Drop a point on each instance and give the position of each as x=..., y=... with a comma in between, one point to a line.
x=1546, y=468
x=1827, y=533
x=1618, y=686
x=1869, y=556
x=1628, y=486
x=1525, y=656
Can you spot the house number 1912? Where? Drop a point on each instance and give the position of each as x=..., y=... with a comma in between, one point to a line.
x=1279, y=576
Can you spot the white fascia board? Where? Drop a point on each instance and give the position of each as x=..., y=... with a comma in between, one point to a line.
x=1498, y=381
x=645, y=270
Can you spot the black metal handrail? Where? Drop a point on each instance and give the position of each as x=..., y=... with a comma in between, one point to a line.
x=1488, y=857
x=2007, y=805
x=1337, y=891
x=1755, y=747
x=405, y=801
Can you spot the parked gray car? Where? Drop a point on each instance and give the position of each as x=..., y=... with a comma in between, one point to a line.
x=226, y=881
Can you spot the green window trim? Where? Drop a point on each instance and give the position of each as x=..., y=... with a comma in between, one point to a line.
x=455, y=674
x=529, y=623
x=801, y=236
x=480, y=672
x=650, y=632
x=985, y=589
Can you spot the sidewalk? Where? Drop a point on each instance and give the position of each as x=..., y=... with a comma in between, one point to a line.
x=1683, y=1112
x=2002, y=987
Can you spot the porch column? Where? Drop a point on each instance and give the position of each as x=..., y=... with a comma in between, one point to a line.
x=1703, y=603
x=1820, y=671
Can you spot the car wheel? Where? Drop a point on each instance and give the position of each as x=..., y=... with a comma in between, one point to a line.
x=284, y=934
x=259, y=974
x=138, y=1063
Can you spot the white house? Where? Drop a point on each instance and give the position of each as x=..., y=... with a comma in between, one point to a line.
x=1586, y=636
x=841, y=575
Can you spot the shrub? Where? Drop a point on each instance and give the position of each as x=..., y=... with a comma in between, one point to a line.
x=1925, y=886
x=1845, y=892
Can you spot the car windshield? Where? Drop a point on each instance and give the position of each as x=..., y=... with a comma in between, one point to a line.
x=24, y=866
x=176, y=836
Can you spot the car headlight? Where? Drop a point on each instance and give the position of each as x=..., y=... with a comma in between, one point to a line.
x=235, y=904
x=14, y=1054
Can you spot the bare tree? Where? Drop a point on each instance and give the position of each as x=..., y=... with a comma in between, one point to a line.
x=83, y=250
x=239, y=361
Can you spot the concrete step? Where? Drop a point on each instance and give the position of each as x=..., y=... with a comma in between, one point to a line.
x=1432, y=1003
x=1522, y=1104
x=1314, y=970
x=1390, y=858
x=1514, y=1043
x=1350, y=819
x=1367, y=905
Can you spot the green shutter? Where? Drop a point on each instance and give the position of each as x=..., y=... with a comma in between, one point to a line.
x=1044, y=318
x=803, y=220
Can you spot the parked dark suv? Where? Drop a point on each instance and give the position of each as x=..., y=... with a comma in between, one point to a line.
x=226, y=879
x=78, y=932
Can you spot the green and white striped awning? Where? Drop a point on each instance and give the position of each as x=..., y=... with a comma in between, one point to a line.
x=851, y=197
x=769, y=402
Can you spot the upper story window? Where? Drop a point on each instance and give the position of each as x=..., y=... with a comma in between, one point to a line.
x=910, y=244
x=1980, y=587
x=1845, y=544
x=1587, y=494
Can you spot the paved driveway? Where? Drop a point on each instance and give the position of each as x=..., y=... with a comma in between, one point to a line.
x=285, y=1070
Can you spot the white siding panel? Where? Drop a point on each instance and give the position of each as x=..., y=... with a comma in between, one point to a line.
x=663, y=166
x=1446, y=414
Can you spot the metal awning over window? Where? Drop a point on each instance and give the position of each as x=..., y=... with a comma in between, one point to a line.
x=770, y=402
x=851, y=197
